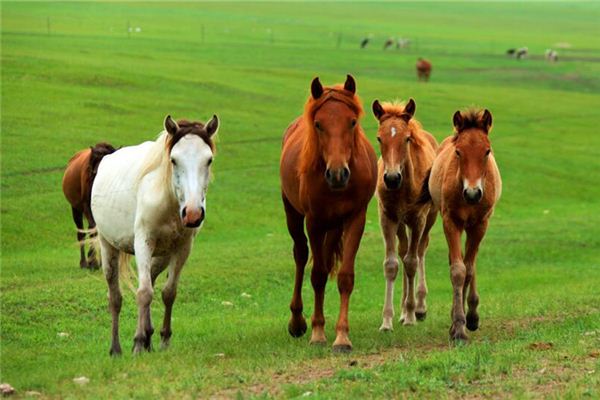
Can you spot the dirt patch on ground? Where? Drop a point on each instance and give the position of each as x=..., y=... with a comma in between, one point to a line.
x=324, y=368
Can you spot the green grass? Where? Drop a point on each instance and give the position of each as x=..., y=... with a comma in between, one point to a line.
x=86, y=81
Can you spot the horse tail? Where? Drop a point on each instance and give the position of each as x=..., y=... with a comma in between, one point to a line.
x=126, y=273
x=425, y=195
x=98, y=152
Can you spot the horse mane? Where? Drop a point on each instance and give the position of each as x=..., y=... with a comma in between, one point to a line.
x=471, y=119
x=160, y=153
x=395, y=109
x=309, y=155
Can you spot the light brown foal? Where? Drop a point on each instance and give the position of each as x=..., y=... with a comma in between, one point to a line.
x=407, y=153
x=465, y=185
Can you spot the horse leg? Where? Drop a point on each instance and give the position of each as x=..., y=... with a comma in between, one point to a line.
x=143, y=254
x=474, y=236
x=402, y=249
x=457, y=276
x=110, y=265
x=390, y=269
x=421, y=309
x=295, y=224
x=411, y=262
x=91, y=256
x=78, y=219
x=318, y=278
x=169, y=292
x=353, y=231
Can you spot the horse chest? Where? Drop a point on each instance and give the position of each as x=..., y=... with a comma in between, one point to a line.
x=169, y=236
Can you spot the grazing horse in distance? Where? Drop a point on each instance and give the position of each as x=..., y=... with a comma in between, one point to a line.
x=423, y=69
x=388, y=43
x=364, y=42
x=328, y=175
x=77, y=188
x=511, y=52
x=465, y=185
x=407, y=153
x=551, y=55
x=522, y=53
x=150, y=200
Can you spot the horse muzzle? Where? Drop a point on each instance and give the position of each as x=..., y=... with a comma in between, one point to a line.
x=337, y=179
x=473, y=195
x=192, y=217
x=392, y=181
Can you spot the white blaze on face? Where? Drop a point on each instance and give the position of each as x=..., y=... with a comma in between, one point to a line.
x=393, y=131
x=191, y=156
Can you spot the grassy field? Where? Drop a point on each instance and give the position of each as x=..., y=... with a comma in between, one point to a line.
x=73, y=76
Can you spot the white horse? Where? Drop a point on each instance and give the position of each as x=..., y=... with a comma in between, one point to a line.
x=150, y=200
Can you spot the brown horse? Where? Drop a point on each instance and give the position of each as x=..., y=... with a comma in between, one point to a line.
x=407, y=153
x=328, y=175
x=465, y=185
x=77, y=187
x=423, y=69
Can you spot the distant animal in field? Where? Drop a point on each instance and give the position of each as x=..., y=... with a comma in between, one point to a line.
x=465, y=185
x=551, y=55
x=511, y=52
x=364, y=42
x=407, y=153
x=423, y=69
x=522, y=53
x=150, y=200
x=388, y=43
x=402, y=43
x=328, y=175
x=77, y=188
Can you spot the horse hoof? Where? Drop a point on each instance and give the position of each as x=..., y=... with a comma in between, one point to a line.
x=297, y=328
x=83, y=265
x=386, y=328
x=421, y=315
x=93, y=264
x=115, y=351
x=472, y=322
x=342, y=348
x=318, y=343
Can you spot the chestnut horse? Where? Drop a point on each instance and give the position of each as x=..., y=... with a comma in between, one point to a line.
x=423, y=69
x=465, y=185
x=407, y=153
x=328, y=175
x=77, y=188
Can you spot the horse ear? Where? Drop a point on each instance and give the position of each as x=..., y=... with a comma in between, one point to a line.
x=409, y=110
x=170, y=125
x=316, y=89
x=457, y=119
x=212, y=126
x=377, y=110
x=486, y=119
x=350, y=84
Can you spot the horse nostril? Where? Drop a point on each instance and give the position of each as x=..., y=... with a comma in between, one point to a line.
x=345, y=174
x=183, y=213
x=328, y=174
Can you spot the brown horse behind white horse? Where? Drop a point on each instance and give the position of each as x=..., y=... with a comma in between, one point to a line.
x=407, y=153
x=423, y=69
x=77, y=188
x=465, y=185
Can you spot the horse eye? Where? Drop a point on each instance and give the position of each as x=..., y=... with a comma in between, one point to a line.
x=173, y=162
x=209, y=161
x=408, y=139
x=318, y=125
x=487, y=153
x=378, y=139
x=353, y=123
x=457, y=153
